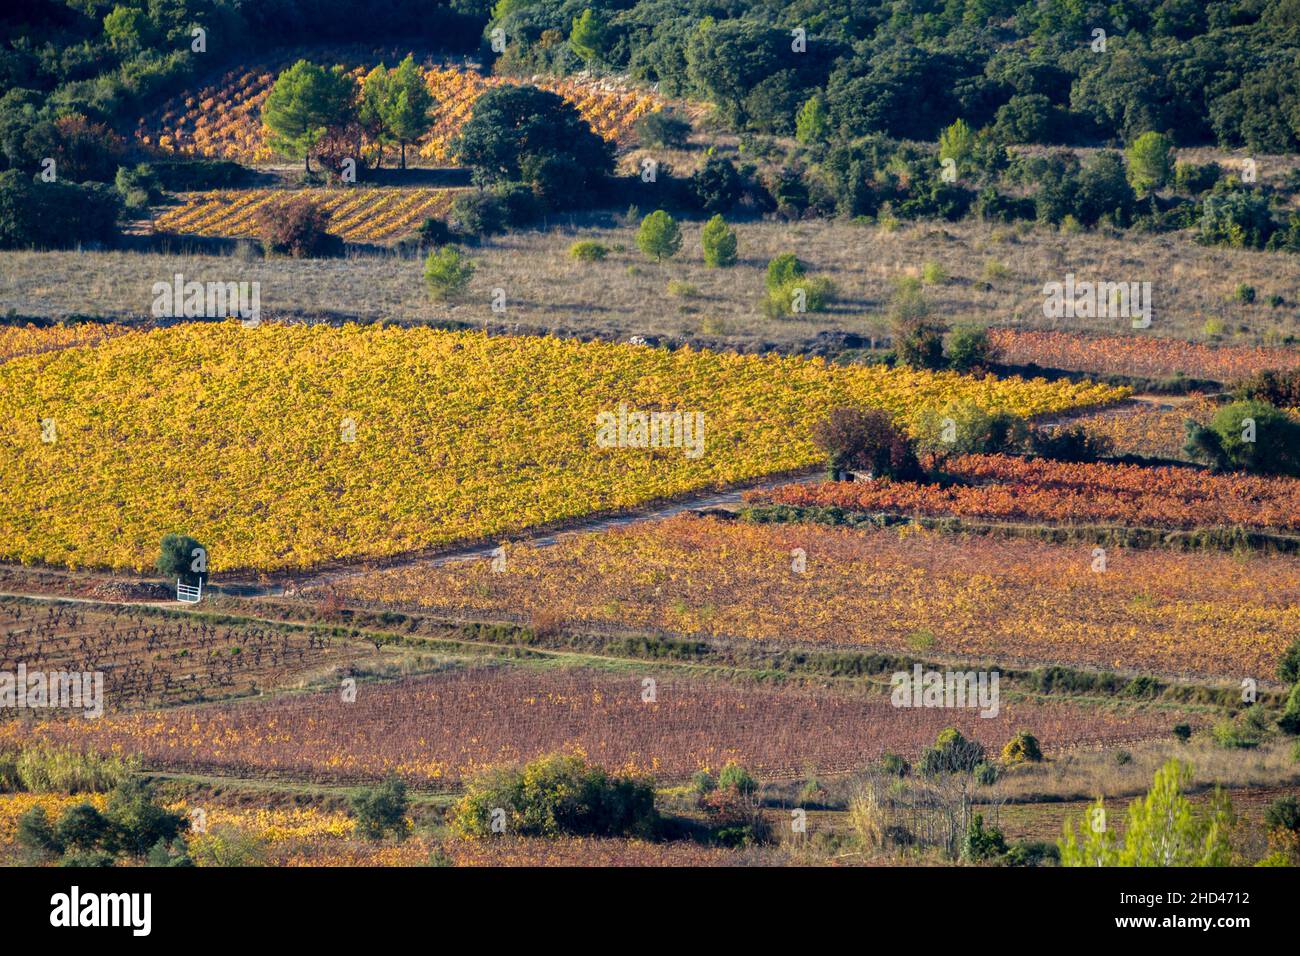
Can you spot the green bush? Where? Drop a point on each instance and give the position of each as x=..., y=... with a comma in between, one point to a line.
x=1283, y=813
x=180, y=556
x=1073, y=443
x=659, y=236
x=718, y=242
x=952, y=753
x=983, y=844
x=662, y=128
x=782, y=270
x=967, y=428
x=1288, y=668
x=894, y=765
x=1227, y=441
x=382, y=810
x=1022, y=748
x=36, y=834
x=556, y=796
x=1183, y=732
x=969, y=348
x=1244, y=293
x=65, y=770
x=799, y=296
x=138, y=822
x=447, y=272
x=138, y=186
x=735, y=777
x=588, y=250
x=82, y=827
x=55, y=215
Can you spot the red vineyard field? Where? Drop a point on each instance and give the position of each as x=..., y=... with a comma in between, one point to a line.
x=443, y=728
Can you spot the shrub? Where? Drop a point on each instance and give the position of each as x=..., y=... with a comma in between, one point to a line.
x=1150, y=162
x=56, y=215
x=1283, y=813
x=983, y=843
x=588, y=250
x=554, y=796
x=382, y=810
x=933, y=274
x=447, y=272
x=783, y=270
x=434, y=232
x=298, y=228
x=718, y=243
x=1236, y=218
x=1021, y=748
x=137, y=821
x=1072, y=443
x=1288, y=668
x=967, y=428
x=986, y=774
x=952, y=753
x=807, y=294
x=226, y=846
x=735, y=777
x=659, y=236
x=1195, y=179
x=82, y=827
x=893, y=765
x=36, y=834
x=857, y=440
x=1244, y=294
x=662, y=128
x=1183, y=732
x=716, y=186
x=180, y=556
x=1290, y=720
x=702, y=782
x=175, y=853
x=1249, y=436
x=65, y=770
x=138, y=186
x=969, y=348
x=1280, y=388
x=479, y=213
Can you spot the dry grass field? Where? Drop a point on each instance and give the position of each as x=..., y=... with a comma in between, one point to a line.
x=993, y=275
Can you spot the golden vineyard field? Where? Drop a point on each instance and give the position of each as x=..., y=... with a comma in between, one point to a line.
x=356, y=214
x=241, y=436
x=223, y=121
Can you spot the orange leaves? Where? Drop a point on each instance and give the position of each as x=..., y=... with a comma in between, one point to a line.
x=1138, y=355
x=356, y=214
x=1005, y=600
x=1016, y=489
x=443, y=728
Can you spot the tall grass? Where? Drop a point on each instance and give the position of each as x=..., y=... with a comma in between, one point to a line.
x=63, y=770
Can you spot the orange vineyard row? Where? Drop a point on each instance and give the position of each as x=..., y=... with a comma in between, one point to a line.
x=908, y=590
x=356, y=215
x=1015, y=489
x=1138, y=355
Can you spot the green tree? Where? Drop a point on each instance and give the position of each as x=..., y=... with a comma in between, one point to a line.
x=182, y=557
x=1249, y=436
x=447, y=272
x=659, y=236
x=957, y=143
x=409, y=104
x=382, y=810
x=373, y=108
x=589, y=35
x=1162, y=829
x=1150, y=162
x=515, y=130
x=718, y=241
x=813, y=123
x=305, y=101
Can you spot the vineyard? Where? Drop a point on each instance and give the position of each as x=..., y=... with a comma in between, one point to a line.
x=355, y=215
x=20, y=340
x=1138, y=355
x=440, y=729
x=1004, y=488
x=907, y=590
x=286, y=446
x=223, y=120
x=149, y=659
